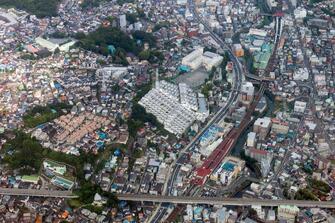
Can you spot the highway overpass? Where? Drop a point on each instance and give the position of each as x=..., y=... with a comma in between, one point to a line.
x=37, y=193
x=223, y=201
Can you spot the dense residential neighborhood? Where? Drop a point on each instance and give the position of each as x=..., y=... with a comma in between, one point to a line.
x=132, y=110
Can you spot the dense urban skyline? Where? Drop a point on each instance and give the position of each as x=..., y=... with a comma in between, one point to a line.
x=167, y=111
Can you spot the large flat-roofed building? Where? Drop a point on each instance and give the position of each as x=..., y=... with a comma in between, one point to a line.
x=262, y=127
x=198, y=58
x=259, y=154
x=279, y=127
x=210, y=60
x=175, y=106
x=194, y=59
x=7, y=19
x=300, y=106
x=229, y=169
x=251, y=139
x=55, y=167
x=52, y=44
x=257, y=32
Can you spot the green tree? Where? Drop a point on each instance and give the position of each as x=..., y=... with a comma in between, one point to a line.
x=40, y=8
x=144, y=55
x=145, y=37
x=98, y=41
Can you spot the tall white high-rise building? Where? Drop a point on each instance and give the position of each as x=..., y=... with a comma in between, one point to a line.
x=247, y=93
x=265, y=166
x=123, y=21
x=157, y=80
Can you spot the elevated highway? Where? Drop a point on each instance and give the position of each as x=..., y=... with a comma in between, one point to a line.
x=37, y=193
x=237, y=83
x=224, y=201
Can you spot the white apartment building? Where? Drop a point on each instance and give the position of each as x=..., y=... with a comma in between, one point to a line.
x=300, y=106
x=175, y=106
x=247, y=93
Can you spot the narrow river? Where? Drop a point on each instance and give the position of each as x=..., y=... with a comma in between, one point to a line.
x=242, y=139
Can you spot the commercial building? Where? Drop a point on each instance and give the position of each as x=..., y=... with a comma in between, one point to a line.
x=258, y=154
x=265, y=166
x=181, y=2
x=300, y=13
x=262, y=127
x=287, y=212
x=261, y=58
x=247, y=93
x=300, y=106
x=123, y=21
x=7, y=19
x=251, y=139
x=271, y=3
x=238, y=50
x=259, y=33
x=321, y=162
x=229, y=169
x=279, y=127
x=300, y=74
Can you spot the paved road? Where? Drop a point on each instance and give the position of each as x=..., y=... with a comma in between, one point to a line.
x=218, y=116
x=36, y=193
x=225, y=201
x=312, y=86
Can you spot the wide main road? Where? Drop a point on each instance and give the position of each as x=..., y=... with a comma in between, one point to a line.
x=221, y=113
x=168, y=187
x=225, y=201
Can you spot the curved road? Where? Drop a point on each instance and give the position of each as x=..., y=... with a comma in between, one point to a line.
x=168, y=187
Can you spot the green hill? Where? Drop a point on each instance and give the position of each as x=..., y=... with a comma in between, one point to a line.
x=40, y=8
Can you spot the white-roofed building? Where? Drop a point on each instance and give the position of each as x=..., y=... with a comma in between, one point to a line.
x=175, y=106
x=199, y=58
x=211, y=60
x=257, y=32
x=299, y=106
x=262, y=126
x=194, y=59
x=247, y=93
